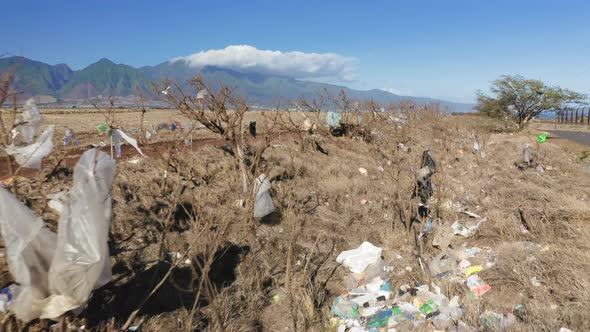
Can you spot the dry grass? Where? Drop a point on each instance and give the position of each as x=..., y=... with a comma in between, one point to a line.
x=184, y=201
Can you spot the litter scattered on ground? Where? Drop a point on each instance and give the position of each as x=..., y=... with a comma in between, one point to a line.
x=56, y=273
x=371, y=305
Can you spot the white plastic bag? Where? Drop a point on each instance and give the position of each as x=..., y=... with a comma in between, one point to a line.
x=357, y=260
x=129, y=140
x=32, y=119
x=30, y=156
x=30, y=248
x=263, y=203
x=57, y=274
x=81, y=262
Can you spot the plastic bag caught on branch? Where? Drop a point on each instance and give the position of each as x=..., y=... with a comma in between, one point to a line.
x=31, y=119
x=58, y=273
x=30, y=247
x=30, y=156
x=263, y=202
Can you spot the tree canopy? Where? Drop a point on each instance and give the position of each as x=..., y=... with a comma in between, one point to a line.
x=525, y=99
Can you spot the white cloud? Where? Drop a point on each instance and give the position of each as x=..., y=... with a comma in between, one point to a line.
x=245, y=58
x=399, y=92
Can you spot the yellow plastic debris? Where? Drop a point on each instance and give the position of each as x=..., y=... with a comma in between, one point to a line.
x=472, y=270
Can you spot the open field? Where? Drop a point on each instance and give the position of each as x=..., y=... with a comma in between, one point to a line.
x=280, y=273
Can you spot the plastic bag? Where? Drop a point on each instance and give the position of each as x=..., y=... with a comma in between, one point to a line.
x=333, y=119
x=466, y=230
x=263, y=204
x=357, y=260
x=130, y=140
x=58, y=273
x=116, y=141
x=32, y=118
x=30, y=247
x=81, y=262
x=528, y=153
x=30, y=156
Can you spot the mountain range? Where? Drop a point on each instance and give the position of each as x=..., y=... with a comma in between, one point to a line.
x=59, y=84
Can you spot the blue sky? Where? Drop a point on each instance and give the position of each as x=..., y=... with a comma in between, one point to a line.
x=441, y=48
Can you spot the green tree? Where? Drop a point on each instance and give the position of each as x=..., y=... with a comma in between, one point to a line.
x=525, y=99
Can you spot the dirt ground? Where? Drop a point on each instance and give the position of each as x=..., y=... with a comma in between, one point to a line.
x=280, y=273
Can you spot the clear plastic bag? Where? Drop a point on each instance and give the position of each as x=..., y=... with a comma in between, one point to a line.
x=57, y=273
x=30, y=156
x=333, y=119
x=129, y=140
x=30, y=247
x=32, y=121
x=263, y=204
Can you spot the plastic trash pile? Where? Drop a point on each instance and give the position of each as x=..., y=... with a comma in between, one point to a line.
x=371, y=305
x=56, y=273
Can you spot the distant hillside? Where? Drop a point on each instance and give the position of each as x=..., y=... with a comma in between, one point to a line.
x=37, y=78
x=106, y=78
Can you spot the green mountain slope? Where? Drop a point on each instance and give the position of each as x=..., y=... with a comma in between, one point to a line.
x=105, y=78
x=109, y=79
x=36, y=78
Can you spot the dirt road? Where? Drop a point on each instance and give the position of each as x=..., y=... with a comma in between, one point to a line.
x=575, y=136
